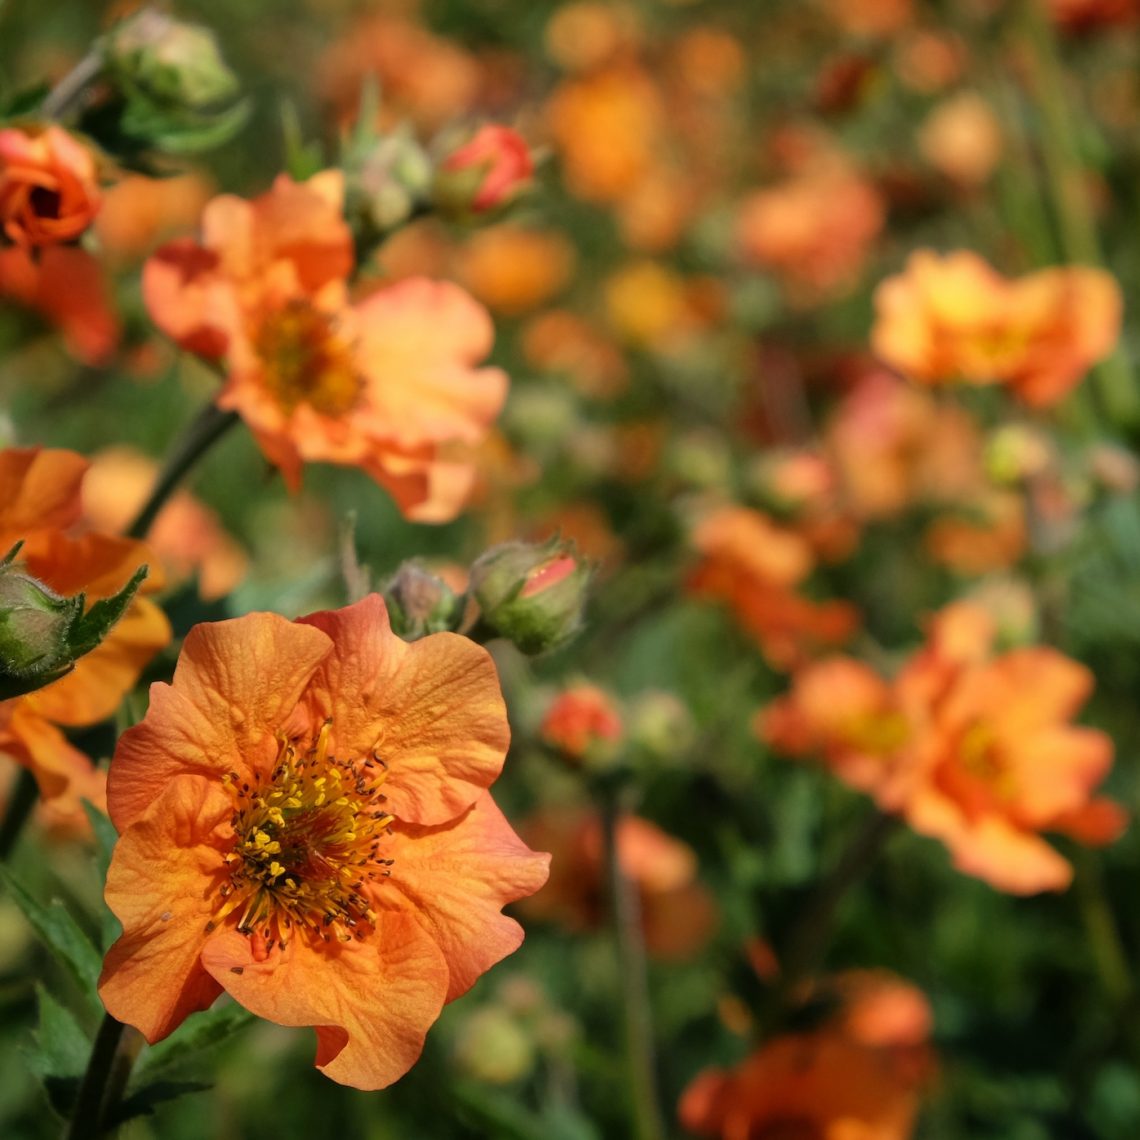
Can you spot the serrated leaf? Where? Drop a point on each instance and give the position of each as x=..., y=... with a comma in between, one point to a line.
x=201, y=1032
x=60, y=933
x=90, y=628
x=147, y=1099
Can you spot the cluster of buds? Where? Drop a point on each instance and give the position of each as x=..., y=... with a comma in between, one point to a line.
x=43, y=633
x=531, y=594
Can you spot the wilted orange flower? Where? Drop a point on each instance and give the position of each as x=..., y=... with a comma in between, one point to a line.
x=677, y=913
x=858, y=1076
x=66, y=286
x=40, y=505
x=49, y=191
x=579, y=719
x=972, y=748
x=954, y=318
x=305, y=824
x=755, y=566
x=388, y=383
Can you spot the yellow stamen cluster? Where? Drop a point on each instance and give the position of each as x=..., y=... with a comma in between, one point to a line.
x=307, y=838
x=306, y=361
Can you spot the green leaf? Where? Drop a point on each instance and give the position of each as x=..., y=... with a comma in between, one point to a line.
x=60, y=933
x=193, y=1037
x=147, y=1099
x=105, y=838
x=60, y=1054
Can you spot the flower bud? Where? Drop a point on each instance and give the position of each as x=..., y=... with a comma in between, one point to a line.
x=43, y=633
x=485, y=174
x=494, y=1047
x=179, y=94
x=531, y=594
x=420, y=603
x=385, y=181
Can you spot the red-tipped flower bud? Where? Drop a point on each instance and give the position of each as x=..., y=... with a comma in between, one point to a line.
x=485, y=174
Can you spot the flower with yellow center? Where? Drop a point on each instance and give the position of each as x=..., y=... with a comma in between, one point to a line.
x=305, y=824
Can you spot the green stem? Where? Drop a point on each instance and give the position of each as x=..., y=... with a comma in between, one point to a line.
x=108, y=1070
x=625, y=914
x=67, y=92
x=25, y=793
x=212, y=423
x=1069, y=184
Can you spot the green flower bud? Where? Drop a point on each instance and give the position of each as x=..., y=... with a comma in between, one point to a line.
x=531, y=594
x=386, y=179
x=42, y=633
x=420, y=603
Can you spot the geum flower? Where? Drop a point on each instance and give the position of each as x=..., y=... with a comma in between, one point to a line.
x=969, y=747
x=305, y=824
x=40, y=506
x=388, y=383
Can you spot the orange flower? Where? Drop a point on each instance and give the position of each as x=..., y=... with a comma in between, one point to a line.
x=48, y=187
x=754, y=566
x=954, y=318
x=971, y=748
x=66, y=286
x=580, y=720
x=40, y=505
x=678, y=915
x=856, y=1077
x=513, y=269
x=388, y=384
x=305, y=824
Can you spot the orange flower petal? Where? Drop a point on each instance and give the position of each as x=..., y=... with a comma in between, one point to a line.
x=432, y=710
x=38, y=489
x=456, y=877
x=234, y=687
x=161, y=885
x=371, y=1002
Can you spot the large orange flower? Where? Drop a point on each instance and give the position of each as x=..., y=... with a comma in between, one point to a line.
x=954, y=318
x=388, y=383
x=305, y=824
x=40, y=505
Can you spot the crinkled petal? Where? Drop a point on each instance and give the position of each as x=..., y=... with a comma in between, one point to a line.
x=162, y=886
x=456, y=878
x=431, y=710
x=371, y=1002
x=236, y=684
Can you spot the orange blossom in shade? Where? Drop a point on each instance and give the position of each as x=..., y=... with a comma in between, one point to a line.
x=305, y=824
x=857, y=1076
x=581, y=721
x=755, y=566
x=677, y=913
x=388, y=383
x=494, y=166
x=40, y=505
x=972, y=748
x=954, y=318
x=49, y=191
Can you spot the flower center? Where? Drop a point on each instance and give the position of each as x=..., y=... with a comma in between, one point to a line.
x=306, y=842
x=306, y=361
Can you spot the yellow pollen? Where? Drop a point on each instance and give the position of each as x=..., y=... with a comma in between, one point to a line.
x=300, y=864
x=305, y=360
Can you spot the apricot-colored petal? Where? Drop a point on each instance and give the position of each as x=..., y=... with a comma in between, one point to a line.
x=234, y=688
x=38, y=488
x=62, y=772
x=162, y=886
x=419, y=343
x=431, y=710
x=371, y=1002
x=456, y=878
x=1096, y=823
x=188, y=298
x=1056, y=768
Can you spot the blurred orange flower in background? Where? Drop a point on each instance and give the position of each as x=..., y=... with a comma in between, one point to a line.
x=954, y=318
x=305, y=824
x=973, y=748
x=678, y=914
x=581, y=719
x=857, y=1076
x=755, y=566
x=40, y=505
x=49, y=190
x=388, y=383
